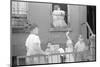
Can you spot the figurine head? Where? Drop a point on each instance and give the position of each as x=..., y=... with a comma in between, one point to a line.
x=56, y=7
x=80, y=37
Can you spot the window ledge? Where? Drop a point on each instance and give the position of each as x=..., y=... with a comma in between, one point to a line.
x=60, y=29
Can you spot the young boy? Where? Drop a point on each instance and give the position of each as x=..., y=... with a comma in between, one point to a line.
x=33, y=46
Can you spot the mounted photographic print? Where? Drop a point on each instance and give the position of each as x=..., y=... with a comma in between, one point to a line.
x=52, y=33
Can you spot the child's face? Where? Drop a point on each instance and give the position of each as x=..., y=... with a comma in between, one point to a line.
x=35, y=30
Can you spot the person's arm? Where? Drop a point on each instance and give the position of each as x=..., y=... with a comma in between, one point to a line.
x=38, y=49
x=27, y=44
x=62, y=13
x=76, y=47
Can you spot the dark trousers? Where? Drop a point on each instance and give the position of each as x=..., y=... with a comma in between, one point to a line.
x=62, y=59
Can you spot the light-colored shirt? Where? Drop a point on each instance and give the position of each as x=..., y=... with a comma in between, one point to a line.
x=80, y=46
x=33, y=44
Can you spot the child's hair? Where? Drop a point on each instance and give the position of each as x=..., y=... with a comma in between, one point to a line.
x=33, y=26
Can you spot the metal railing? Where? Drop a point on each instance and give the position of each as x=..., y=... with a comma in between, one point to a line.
x=53, y=58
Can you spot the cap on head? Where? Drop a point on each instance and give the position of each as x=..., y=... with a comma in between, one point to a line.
x=33, y=26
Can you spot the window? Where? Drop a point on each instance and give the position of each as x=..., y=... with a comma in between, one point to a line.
x=59, y=17
x=19, y=15
x=19, y=7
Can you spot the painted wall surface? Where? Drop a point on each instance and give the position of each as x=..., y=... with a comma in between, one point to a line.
x=40, y=14
x=77, y=16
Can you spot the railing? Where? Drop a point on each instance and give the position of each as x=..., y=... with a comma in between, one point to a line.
x=53, y=58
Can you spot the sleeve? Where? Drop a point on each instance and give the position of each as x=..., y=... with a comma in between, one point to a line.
x=32, y=40
x=76, y=45
x=27, y=41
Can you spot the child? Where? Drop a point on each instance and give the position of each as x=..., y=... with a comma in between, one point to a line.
x=81, y=49
x=33, y=46
x=62, y=57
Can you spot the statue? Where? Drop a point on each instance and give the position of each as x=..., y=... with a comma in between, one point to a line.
x=58, y=17
x=69, y=48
